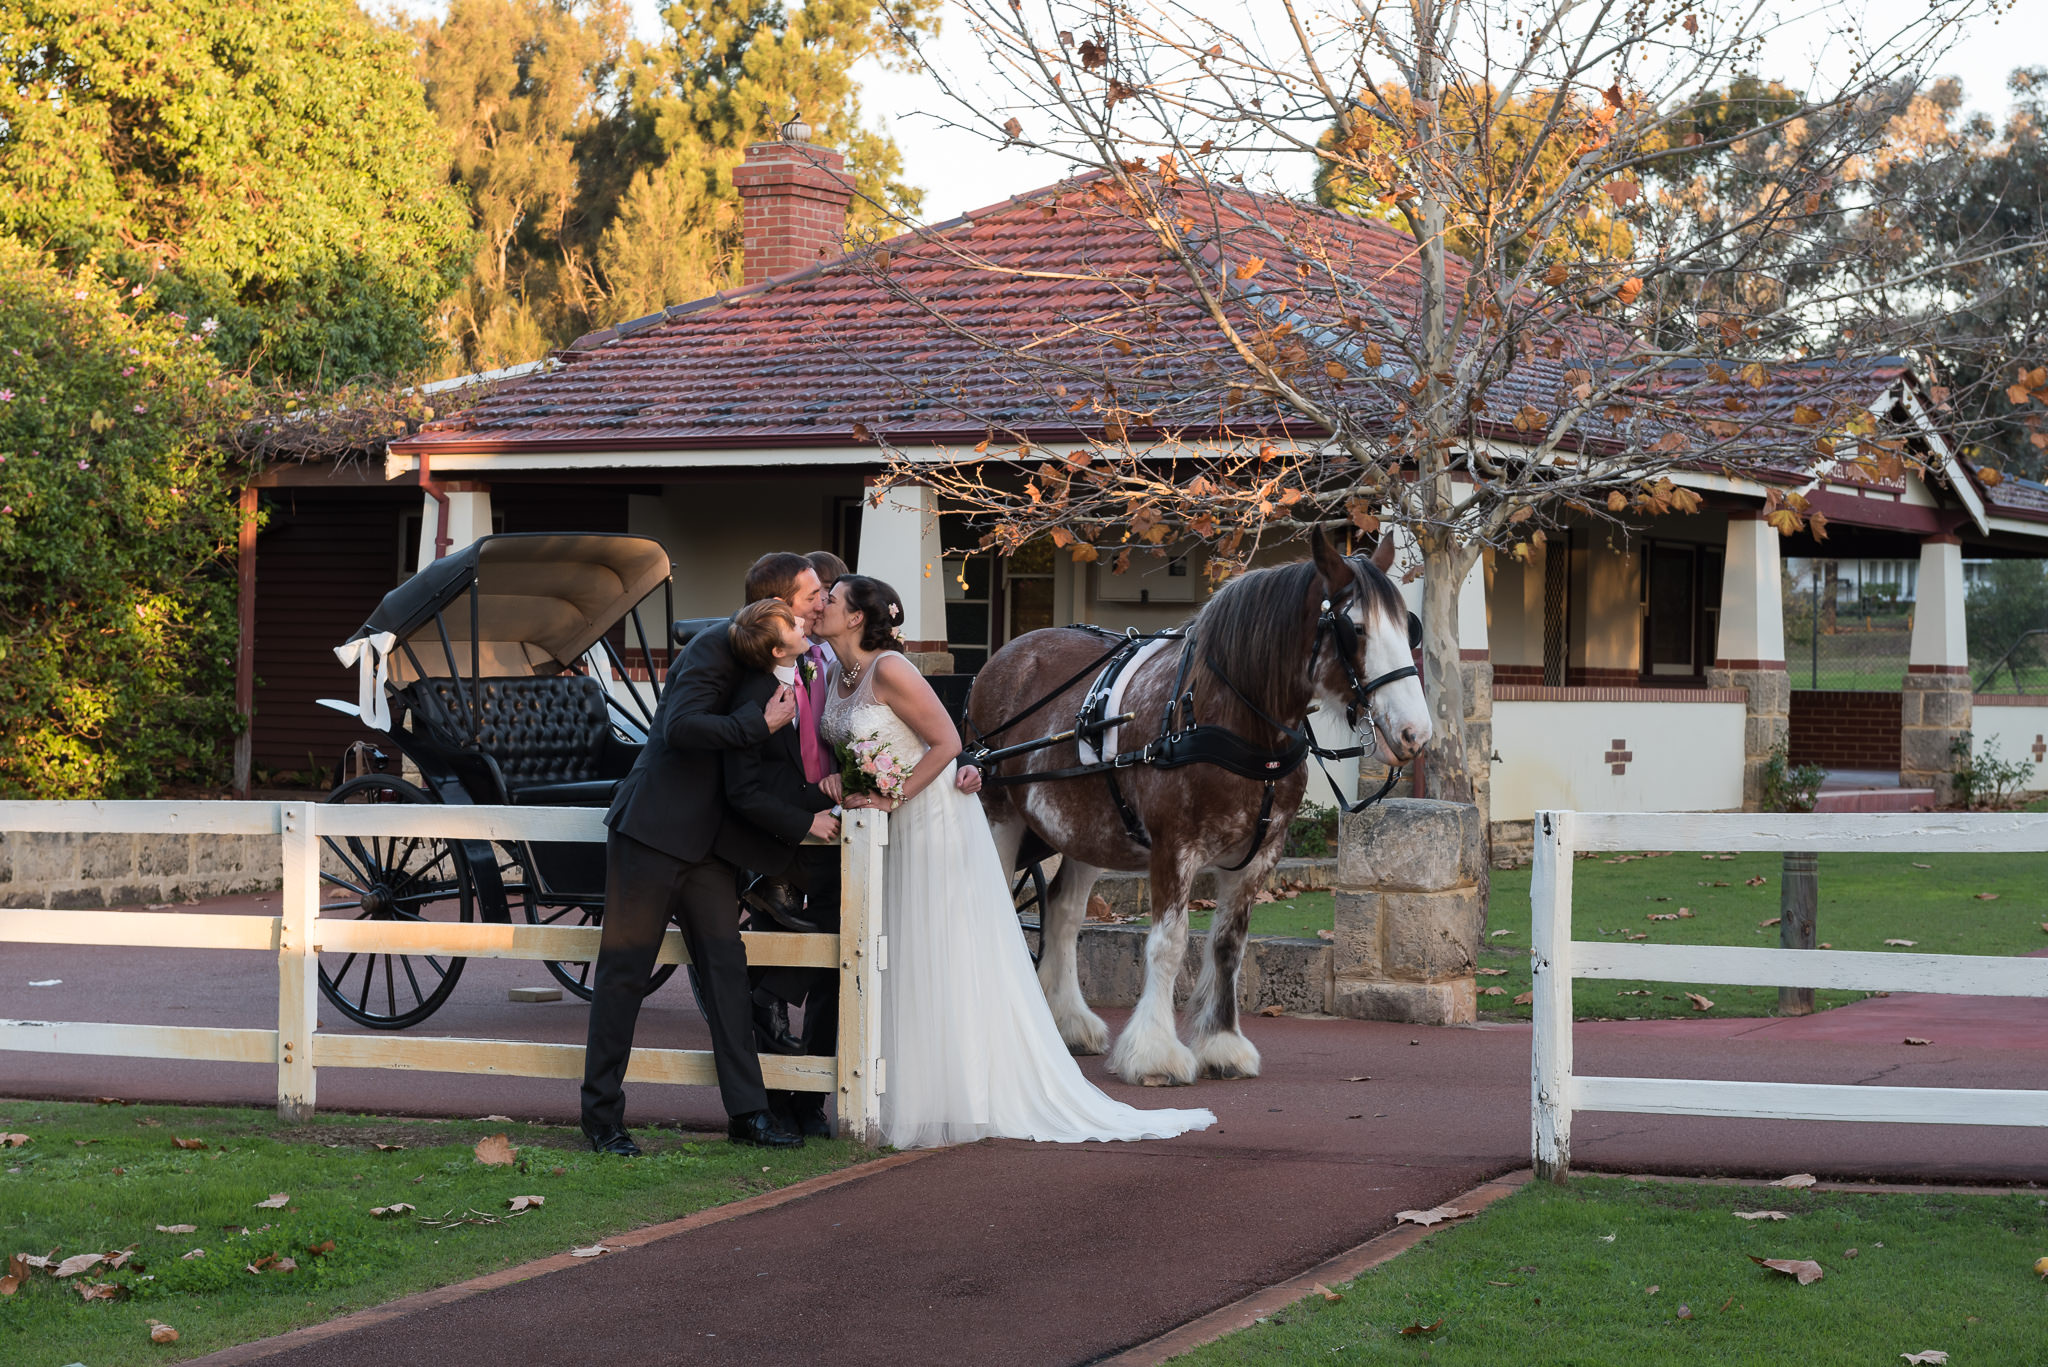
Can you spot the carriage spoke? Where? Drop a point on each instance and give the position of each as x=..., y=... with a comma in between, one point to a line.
x=417, y=995
x=390, y=988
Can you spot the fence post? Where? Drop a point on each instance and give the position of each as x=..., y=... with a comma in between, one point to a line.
x=858, y=1068
x=298, y=963
x=1798, y=910
x=1550, y=894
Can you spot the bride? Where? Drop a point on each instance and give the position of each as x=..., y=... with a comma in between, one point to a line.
x=972, y=1049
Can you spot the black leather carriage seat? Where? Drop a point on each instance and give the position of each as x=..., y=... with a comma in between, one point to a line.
x=550, y=738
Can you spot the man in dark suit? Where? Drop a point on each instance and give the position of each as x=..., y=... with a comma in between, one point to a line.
x=672, y=854
x=771, y=788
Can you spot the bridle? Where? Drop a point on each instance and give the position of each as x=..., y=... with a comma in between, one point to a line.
x=1335, y=622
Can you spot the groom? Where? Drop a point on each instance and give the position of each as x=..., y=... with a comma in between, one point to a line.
x=663, y=861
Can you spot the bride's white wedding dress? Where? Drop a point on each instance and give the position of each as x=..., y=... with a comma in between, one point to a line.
x=971, y=1046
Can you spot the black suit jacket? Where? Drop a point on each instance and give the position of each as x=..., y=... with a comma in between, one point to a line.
x=674, y=797
x=769, y=804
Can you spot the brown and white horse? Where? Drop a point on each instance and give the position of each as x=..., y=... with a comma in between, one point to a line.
x=1261, y=645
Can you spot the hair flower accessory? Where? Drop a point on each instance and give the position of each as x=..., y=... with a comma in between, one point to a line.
x=895, y=612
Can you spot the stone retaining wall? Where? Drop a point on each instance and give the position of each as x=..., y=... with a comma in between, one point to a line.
x=1129, y=894
x=1293, y=975
x=1411, y=910
x=67, y=870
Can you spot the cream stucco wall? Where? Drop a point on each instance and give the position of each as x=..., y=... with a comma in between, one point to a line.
x=1684, y=757
x=2016, y=730
x=714, y=529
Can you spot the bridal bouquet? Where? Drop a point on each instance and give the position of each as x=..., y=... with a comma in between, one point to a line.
x=868, y=765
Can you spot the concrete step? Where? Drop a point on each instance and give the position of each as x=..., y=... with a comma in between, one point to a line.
x=1876, y=800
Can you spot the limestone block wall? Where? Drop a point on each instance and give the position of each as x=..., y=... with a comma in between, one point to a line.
x=1768, y=720
x=1411, y=910
x=67, y=870
x=1934, y=709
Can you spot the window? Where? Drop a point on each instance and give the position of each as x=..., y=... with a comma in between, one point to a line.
x=1027, y=584
x=970, y=595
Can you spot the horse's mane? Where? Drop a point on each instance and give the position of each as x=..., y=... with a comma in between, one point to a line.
x=1258, y=628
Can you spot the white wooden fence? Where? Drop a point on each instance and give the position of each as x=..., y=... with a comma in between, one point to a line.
x=300, y=933
x=1556, y=1091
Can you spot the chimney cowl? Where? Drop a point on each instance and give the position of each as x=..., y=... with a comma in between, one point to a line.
x=796, y=130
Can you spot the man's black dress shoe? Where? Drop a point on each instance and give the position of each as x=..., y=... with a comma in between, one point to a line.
x=613, y=1141
x=762, y=1130
x=771, y=1029
x=778, y=900
x=810, y=1118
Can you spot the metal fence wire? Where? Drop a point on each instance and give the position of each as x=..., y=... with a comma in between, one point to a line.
x=1833, y=641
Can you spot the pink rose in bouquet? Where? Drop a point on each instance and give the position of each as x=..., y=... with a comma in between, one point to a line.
x=869, y=765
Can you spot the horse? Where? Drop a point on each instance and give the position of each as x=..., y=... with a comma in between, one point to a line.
x=1266, y=646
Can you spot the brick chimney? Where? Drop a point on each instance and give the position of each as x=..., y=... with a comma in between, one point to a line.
x=795, y=199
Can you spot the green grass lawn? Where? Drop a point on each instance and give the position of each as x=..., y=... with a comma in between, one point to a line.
x=1634, y=1274
x=1865, y=899
x=98, y=1179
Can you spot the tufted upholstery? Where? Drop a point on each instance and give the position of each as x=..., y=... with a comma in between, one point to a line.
x=541, y=731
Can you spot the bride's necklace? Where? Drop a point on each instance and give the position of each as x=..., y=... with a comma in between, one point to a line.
x=849, y=677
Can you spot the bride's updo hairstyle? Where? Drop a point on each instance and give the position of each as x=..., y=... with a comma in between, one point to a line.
x=880, y=608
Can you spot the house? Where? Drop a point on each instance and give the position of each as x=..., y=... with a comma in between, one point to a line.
x=1629, y=664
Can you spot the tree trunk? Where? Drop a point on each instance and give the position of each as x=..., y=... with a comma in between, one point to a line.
x=1448, y=773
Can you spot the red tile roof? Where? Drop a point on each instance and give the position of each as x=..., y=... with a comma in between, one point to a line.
x=1060, y=276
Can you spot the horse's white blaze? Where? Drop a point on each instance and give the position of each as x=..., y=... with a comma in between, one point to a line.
x=1399, y=704
x=1149, y=1049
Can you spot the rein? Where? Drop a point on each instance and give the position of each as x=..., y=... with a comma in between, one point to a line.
x=1182, y=740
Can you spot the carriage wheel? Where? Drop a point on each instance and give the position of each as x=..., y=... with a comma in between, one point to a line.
x=1029, y=893
x=391, y=878
x=575, y=975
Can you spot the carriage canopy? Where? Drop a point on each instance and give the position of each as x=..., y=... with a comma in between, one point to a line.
x=543, y=599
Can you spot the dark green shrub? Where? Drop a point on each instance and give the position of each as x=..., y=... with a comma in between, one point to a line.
x=117, y=518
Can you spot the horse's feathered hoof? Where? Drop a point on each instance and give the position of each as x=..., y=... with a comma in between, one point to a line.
x=1161, y=1080
x=1227, y=1054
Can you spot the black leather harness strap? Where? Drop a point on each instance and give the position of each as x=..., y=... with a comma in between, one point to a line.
x=1182, y=740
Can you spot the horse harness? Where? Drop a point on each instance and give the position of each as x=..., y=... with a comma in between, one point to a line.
x=1182, y=740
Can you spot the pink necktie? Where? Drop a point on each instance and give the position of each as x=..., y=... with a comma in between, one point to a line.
x=817, y=760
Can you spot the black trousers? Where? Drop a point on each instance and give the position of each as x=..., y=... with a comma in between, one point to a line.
x=644, y=890
x=816, y=990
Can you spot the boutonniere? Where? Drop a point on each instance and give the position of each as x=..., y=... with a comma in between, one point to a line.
x=807, y=670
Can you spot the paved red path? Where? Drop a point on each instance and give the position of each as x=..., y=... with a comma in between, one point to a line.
x=1014, y=1253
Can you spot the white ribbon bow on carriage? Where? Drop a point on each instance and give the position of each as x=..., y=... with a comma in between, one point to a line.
x=371, y=655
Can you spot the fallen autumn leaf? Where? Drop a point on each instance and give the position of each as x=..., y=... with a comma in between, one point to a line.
x=1699, y=1003
x=590, y=1252
x=188, y=1143
x=15, y=1141
x=520, y=1203
x=177, y=1229
x=1272, y=1010
x=1805, y=1269
x=496, y=1151
x=1760, y=1215
x=162, y=1333
x=1908, y=944
x=386, y=1212
x=1915, y=1039
x=1414, y=1329
x=1797, y=1179
x=1987, y=897
x=1433, y=1216
x=1326, y=1293
x=72, y=1266
x=1931, y=1355
x=278, y=1201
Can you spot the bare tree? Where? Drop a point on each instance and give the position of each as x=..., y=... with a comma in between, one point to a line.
x=1577, y=249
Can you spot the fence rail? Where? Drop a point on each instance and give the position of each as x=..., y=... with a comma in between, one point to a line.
x=299, y=934
x=1556, y=1091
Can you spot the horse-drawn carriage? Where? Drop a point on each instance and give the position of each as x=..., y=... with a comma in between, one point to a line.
x=488, y=671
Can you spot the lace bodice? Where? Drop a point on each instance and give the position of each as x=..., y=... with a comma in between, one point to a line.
x=860, y=715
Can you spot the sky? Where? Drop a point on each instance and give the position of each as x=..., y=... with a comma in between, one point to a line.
x=959, y=170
